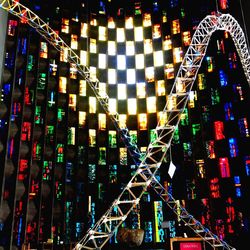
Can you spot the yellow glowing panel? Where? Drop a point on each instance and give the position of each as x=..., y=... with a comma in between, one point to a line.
x=151, y=104
x=72, y=102
x=73, y=71
x=186, y=38
x=65, y=25
x=92, y=71
x=74, y=42
x=83, y=57
x=142, y=121
x=139, y=61
x=102, y=121
x=167, y=43
x=158, y=58
x=201, y=81
x=111, y=48
x=192, y=99
x=120, y=35
x=148, y=46
x=84, y=30
x=43, y=50
x=92, y=46
x=111, y=23
x=92, y=137
x=169, y=70
x=164, y=17
x=121, y=62
x=132, y=106
x=64, y=55
x=138, y=34
x=92, y=104
x=162, y=117
x=82, y=88
x=156, y=31
x=171, y=102
x=102, y=89
x=93, y=21
x=123, y=156
x=147, y=20
x=161, y=90
x=129, y=23
x=82, y=119
x=111, y=76
x=176, y=26
x=112, y=106
x=122, y=121
x=141, y=89
x=180, y=86
x=102, y=33
x=130, y=48
x=102, y=61
x=149, y=74
x=62, y=84
x=156, y=231
x=131, y=76
x=177, y=55
x=122, y=92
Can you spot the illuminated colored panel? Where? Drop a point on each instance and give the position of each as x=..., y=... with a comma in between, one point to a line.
x=62, y=84
x=210, y=149
x=243, y=127
x=215, y=96
x=102, y=156
x=102, y=121
x=92, y=173
x=30, y=63
x=175, y=26
x=26, y=131
x=148, y=231
x=60, y=153
x=112, y=173
x=210, y=64
x=43, y=50
x=158, y=219
x=219, y=130
x=237, y=185
x=92, y=137
x=47, y=168
x=112, y=139
x=223, y=78
x=123, y=156
x=233, y=147
x=224, y=167
x=214, y=188
x=247, y=164
x=92, y=104
x=71, y=135
x=201, y=81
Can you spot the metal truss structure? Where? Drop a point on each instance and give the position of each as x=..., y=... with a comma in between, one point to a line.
x=148, y=163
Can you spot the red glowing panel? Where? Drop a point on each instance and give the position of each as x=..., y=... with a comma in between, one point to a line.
x=219, y=130
x=190, y=246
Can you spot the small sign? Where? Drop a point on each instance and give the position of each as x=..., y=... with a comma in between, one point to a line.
x=190, y=246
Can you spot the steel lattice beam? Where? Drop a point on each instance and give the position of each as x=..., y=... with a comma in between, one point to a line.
x=177, y=99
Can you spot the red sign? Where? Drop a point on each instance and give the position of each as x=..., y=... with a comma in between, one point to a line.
x=190, y=246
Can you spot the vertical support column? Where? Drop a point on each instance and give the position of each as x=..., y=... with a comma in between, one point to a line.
x=3, y=26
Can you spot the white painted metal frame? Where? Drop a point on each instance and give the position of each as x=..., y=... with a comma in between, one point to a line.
x=104, y=229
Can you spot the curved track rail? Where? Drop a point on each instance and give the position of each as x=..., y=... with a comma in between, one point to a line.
x=149, y=163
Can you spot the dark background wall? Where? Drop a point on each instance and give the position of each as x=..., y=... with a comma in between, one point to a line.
x=246, y=17
x=3, y=23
